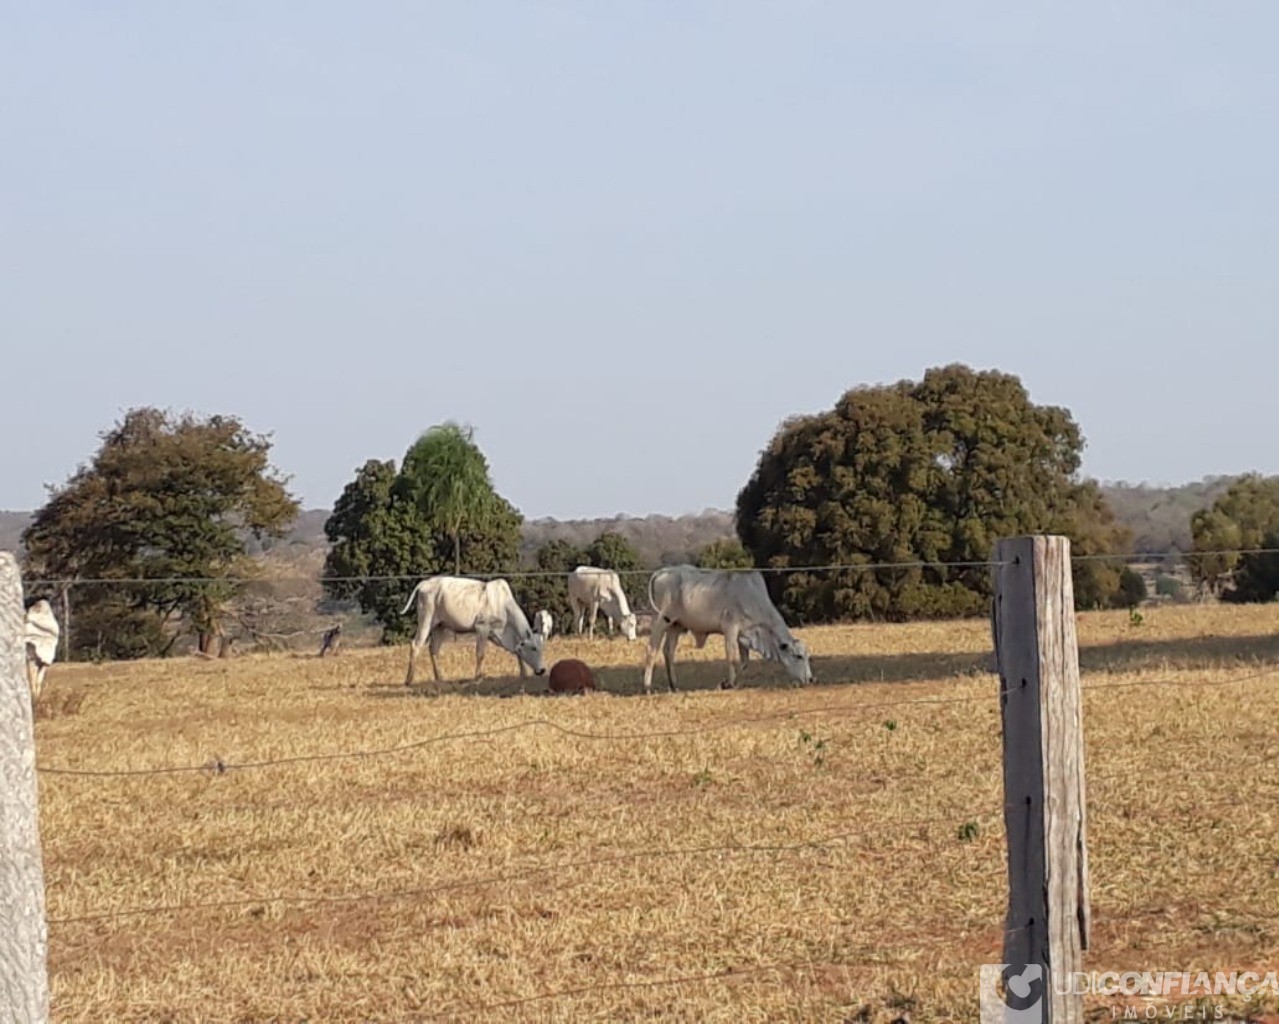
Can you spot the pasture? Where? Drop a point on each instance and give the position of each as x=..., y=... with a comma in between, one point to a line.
x=834, y=853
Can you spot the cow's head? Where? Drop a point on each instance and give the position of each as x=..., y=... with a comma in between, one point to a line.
x=794, y=655
x=630, y=628
x=529, y=651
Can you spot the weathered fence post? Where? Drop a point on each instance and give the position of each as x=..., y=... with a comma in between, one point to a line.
x=66, y=622
x=1044, y=808
x=24, y=983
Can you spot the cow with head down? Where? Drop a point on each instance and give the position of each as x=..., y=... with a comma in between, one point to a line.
x=731, y=603
x=592, y=590
x=486, y=609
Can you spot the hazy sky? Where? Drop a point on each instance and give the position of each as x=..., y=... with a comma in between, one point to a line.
x=625, y=240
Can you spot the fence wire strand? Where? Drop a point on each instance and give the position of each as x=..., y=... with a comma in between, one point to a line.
x=654, y=855
x=518, y=574
x=219, y=766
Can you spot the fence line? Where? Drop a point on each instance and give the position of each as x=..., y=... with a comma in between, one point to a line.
x=657, y=856
x=220, y=766
x=899, y=826
x=517, y=574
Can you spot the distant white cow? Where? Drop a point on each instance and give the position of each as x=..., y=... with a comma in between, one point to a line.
x=452, y=604
x=735, y=605
x=543, y=623
x=40, y=633
x=600, y=590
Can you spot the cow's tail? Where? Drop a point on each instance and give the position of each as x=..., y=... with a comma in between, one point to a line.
x=412, y=598
x=652, y=603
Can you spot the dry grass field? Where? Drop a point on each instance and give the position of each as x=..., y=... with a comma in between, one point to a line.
x=834, y=853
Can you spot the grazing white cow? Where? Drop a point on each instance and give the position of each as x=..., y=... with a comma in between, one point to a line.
x=735, y=605
x=452, y=604
x=600, y=590
x=543, y=623
x=40, y=635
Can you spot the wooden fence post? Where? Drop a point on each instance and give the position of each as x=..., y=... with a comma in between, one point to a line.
x=24, y=982
x=66, y=622
x=1044, y=806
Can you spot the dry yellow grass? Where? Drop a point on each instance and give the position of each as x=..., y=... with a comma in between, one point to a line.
x=794, y=854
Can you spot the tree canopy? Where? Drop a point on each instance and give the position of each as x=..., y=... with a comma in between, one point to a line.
x=447, y=475
x=1244, y=519
x=384, y=525
x=165, y=499
x=930, y=471
x=724, y=554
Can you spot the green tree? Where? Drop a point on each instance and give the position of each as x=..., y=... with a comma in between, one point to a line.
x=448, y=476
x=1131, y=590
x=931, y=472
x=170, y=499
x=724, y=554
x=1243, y=519
x=380, y=528
x=375, y=532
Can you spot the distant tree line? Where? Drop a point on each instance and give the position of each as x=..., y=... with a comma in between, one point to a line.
x=909, y=484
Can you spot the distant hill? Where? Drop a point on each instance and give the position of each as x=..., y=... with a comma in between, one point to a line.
x=1159, y=518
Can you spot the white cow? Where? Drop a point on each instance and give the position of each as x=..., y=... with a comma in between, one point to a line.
x=735, y=605
x=452, y=604
x=600, y=590
x=40, y=635
x=543, y=623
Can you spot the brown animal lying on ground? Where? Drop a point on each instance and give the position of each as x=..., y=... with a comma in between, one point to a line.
x=572, y=676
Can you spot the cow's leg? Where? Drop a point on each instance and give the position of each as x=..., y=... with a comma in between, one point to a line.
x=579, y=614
x=437, y=639
x=425, y=613
x=595, y=611
x=481, y=646
x=668, y=654
x=35, y=678
x=732, y=650
x=660, y=626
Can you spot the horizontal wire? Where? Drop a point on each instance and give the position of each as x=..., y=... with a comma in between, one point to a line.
x=657, y=855
x=1131, y=556
x=219, y=766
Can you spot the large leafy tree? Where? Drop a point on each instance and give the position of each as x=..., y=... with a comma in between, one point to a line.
x=168, y=501
x=1227, y=536
x=929, y=472
x=383, y=533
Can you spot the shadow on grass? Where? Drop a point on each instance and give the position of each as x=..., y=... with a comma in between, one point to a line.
x=1187, y=653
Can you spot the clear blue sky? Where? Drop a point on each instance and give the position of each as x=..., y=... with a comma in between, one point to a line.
x=624, y=241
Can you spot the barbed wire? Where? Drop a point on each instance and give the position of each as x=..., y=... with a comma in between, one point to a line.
x=655, y=855
x=219, y=766
x=1133, y=684
x=1132, y=556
